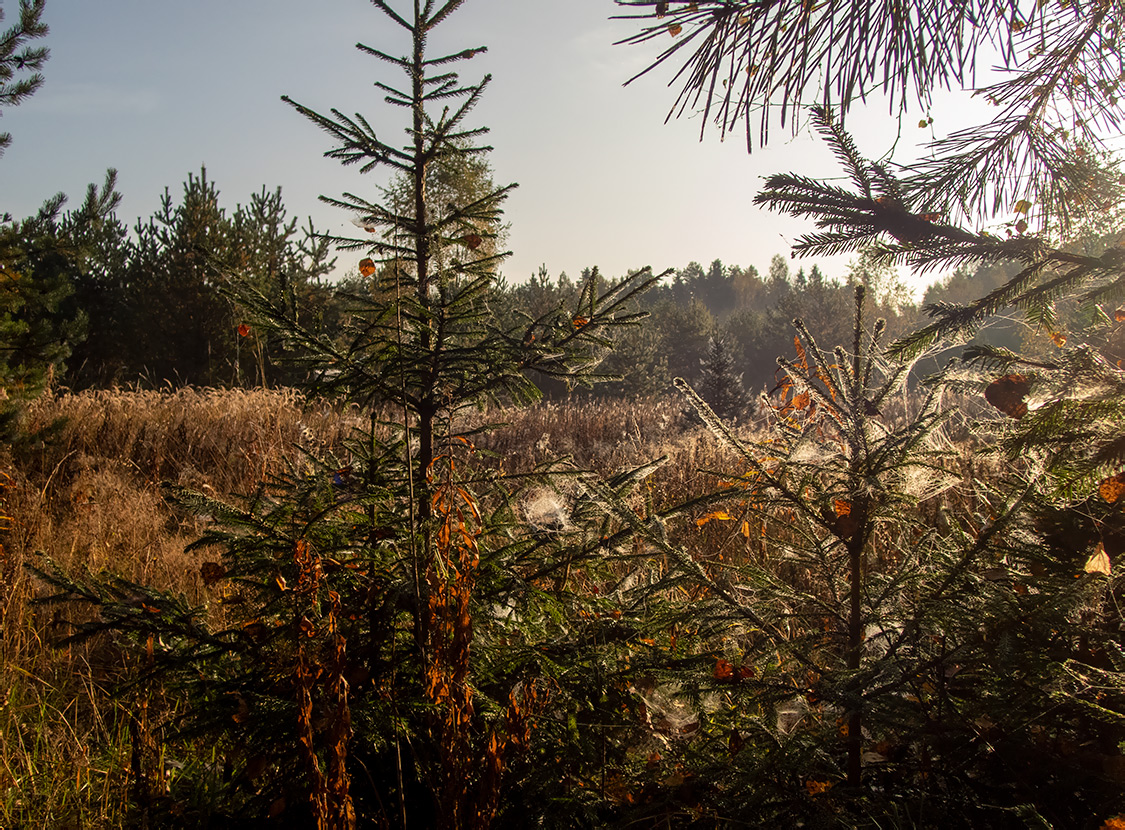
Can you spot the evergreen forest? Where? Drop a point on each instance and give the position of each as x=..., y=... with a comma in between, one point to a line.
x=421, y=545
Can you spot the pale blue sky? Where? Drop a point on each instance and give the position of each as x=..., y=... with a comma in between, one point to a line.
x=157, y=88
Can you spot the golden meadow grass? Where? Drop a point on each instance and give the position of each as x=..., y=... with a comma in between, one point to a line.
x=88, y=495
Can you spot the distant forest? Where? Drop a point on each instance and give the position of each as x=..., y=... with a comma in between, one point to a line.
x=148, y=306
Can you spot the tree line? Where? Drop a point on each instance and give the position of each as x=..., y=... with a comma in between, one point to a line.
x=93, y=302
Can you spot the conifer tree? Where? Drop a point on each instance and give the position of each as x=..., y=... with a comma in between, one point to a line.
x=1022, y=557
x=159, y=311
x=40, y=259
x=720, y=386
x=388, y=629
x=760, y=64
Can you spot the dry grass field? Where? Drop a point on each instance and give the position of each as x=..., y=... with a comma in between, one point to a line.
x=87, y=495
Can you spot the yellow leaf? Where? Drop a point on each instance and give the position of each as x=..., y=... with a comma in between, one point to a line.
x=1022, y=206
x=367, y=267
x=922, y=124
x=1098, y=563
x=816, y=788
x=1058, y=338
x=675, y=29
x=746, y=529
x=718, y=515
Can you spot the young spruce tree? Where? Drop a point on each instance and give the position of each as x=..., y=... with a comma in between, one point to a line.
x=1007, y=632
x=720, y=385
x=374, y=652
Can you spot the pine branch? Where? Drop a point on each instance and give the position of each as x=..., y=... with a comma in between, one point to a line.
x=464, y=55
x=442, y=13
x=401, y=63
x=389, y=12
x=13, y=59
x=357, y=140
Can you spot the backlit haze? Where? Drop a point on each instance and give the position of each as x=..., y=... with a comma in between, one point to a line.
x=157, y=89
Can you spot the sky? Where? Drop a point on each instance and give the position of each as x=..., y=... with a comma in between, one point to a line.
x=160, y=88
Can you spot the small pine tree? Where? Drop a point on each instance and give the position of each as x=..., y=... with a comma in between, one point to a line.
x=388, y=628
x=719, y=385
x=1001, y=636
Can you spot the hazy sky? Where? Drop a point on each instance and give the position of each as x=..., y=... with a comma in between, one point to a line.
x=158, y=88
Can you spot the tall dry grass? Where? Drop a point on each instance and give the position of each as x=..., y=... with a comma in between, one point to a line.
x=86, y=492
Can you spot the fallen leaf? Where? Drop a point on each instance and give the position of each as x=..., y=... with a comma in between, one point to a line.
x=815, y=788
x=256, y=630
x=367, y=267
x=243, y=713
x=1098, y=563
x=1113, y=488
x=1007, y=394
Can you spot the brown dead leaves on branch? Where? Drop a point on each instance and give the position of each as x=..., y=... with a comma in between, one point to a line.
x=471, y=774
